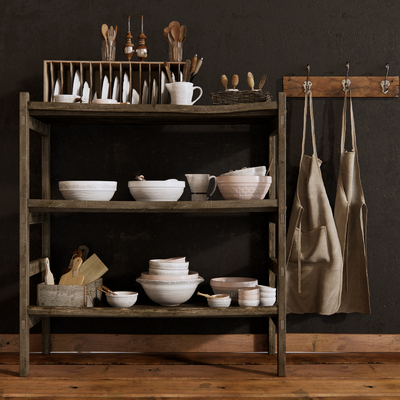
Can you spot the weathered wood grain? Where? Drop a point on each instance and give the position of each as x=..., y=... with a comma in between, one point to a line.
x=331, y=86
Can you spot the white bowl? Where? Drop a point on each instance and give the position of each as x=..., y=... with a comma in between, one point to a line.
x=268, y=295
x=88, y=190
x=266, y=289
x=162, y=271
x=191, y=275
x=267, y=302
x=171, y=260
x=168, y=265
x=230, y=285
x=219, y=301
x=249, y=303
x=122, y=299
x=245, y=296
x=258, y=171
x=169, y=293
x=169, y=190
x=244, y=187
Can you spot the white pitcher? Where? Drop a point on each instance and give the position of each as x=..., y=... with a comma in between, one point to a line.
x=182, y=93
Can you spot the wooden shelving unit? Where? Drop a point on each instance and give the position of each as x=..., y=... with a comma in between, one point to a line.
x=38, y=117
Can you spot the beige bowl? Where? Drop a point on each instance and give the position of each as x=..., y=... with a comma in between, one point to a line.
x=244, y=187
x=162, y=271
x=266, y=289
x=122, y=299
x=230, y=285
x=168, y=265
x=243, y=296
x=219, y=301
x=267, y=302
x=192, y=275
x=249, y=303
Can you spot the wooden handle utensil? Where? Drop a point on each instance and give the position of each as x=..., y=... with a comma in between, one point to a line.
x=250, y=80
x=48, y=278
x=73, y=277
x=205, y=295
x=235, y=81
x=262, y=81
x=108, y=290
x=168, y=70
x=224, y=81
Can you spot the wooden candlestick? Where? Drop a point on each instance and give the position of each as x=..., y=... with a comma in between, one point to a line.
x=142, y=51
x=129, y=46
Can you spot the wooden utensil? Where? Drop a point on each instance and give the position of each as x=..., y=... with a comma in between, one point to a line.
x=76, y=253
x=182, y=35
x=104, y=30
x=235, y=81
x=205, y=295
x=193, y=66
x=224, y=81
x=108, y=290
x=186, y=71
x=101, y=290
x=175, y=32
x=167, y=30
x=73, y=277
x=48, y=278
x=198, y=66
x=172, y=23
x=92, y=269
x=250, y=80
x=167, y=69
x=262, y=81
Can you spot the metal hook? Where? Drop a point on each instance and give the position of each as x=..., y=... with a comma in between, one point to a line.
x=385, y=84
x=346, y=82
x=307, y=84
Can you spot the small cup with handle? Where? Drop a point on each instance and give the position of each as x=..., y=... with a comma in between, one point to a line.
x=198, y=184
x=182, y=93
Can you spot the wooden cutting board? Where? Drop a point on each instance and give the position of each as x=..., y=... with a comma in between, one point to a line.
x=73, y=277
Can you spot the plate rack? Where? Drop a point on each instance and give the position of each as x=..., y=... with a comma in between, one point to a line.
x=93, y=72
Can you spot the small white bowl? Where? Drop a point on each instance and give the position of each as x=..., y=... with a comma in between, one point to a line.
x=218, y=301
x=88, y=190
x=162, y=271
x=266, y=289
x=245, y=296
x=122, y=299
x=249, y=303
x=267, y=302
x=268, y=295
x=169, y=190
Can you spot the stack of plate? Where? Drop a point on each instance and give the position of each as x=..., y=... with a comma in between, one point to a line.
x=267, y=295
x=169, y=282
x=249, y=297
x=231, y=285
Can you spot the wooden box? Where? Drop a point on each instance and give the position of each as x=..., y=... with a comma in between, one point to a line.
x=69, y=295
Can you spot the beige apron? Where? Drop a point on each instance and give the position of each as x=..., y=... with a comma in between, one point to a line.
x=314, y=261
x=351, y=222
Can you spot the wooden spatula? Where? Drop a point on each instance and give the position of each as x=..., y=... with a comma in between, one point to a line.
x=48, y=278
x=73, y=277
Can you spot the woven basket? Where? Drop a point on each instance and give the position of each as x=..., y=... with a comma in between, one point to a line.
x=240, y=96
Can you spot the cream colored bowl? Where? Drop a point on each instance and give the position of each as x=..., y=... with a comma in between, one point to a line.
x=122, y=299
x=244, y=187
x=170, y=293
x=169, y=190
x=88, y=190
x=162, y=271
x=182, y=277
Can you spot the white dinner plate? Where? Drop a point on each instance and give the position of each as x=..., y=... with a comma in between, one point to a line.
x=135, y=97
x=154, y=92
x=115, y=89
x=56, y=88
x=104, y=89
x=125, y=89
x=145, y=93
x=164, y=91
x=85, y=93
x=76, y=84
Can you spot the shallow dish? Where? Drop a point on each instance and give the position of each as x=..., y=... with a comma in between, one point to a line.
x=192, y=275
x=122, y=299
x=249, y=303
x=233, y=282
x=244, y=187
x=170, y=293
x=88, y=190
x=162, y=271
x=169, y=190
x=255, y=171
x=104, y=101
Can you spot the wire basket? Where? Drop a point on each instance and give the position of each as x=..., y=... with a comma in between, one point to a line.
x=240, y=96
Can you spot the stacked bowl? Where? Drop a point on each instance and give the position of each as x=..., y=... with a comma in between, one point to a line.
x=249, y=297
x=169, y=282
x=231, y=285
x=267, y=295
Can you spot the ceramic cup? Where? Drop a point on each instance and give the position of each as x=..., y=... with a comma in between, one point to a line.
x=67, y=98
x=182, y=93
x=199, y=185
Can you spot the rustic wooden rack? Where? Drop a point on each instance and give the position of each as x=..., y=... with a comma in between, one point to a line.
x=93, y=72
x=331, y=86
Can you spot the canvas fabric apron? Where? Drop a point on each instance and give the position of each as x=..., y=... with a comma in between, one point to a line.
x=314, y=259
x=351, y=221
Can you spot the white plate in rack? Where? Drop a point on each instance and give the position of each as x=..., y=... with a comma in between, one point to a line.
x=154, y=92
x=164, y=91
x=115, y=89
x=85, y=93
x=145, y=93
x=135, y=97
x=104, y=89
x=76, y=84
x=125, y=89
x=56, y=88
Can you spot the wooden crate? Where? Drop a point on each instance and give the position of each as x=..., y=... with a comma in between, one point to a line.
x=93, y=72
x=69, y=295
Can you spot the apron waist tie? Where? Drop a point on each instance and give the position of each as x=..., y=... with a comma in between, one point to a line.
x=299, y=261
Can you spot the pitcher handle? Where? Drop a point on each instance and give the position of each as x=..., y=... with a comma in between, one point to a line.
x=215, y=184
x=201, y=93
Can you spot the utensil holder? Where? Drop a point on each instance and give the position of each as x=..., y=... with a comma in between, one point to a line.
x=108, y=50
x=175, y=51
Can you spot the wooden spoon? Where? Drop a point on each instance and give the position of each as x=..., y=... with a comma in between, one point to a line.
x=182, y=34
x=175, y=32
x=172, y=23
x=167, y=30
x=104, y=31
x=224, y=81
x=205, y=295
x=235, y=81
x=168, y=70
x=250, y=80
x=108, y=290
x=262, y=81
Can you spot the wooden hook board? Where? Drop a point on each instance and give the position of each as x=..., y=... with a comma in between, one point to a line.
x=331, y=86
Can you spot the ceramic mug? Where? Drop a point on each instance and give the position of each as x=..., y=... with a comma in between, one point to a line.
x=198, y=184
x=67, y=98
x=182, y=93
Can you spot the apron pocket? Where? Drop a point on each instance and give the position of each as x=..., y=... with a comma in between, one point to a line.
x=313, y=246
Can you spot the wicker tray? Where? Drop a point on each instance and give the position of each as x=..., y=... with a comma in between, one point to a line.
x=240, y=96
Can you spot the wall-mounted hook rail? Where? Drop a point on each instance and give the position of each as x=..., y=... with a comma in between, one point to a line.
x=307, y=84
x=346, y=82
x=331, y=86
x=385, y=83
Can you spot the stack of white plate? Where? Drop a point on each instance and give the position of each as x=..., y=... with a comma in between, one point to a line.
x=169, y=281
x=231, y=285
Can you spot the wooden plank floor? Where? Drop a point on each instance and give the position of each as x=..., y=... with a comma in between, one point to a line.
x=202, y=376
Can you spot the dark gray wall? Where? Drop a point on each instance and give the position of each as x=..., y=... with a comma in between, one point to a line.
x=278, y=38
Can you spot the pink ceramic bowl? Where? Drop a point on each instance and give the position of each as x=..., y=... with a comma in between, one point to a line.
x=243, y=296
x=233, y=282
x=244, y=187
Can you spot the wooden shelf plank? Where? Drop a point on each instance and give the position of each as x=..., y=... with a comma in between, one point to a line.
x=331, y=86
x=152, y=113
x=150, y=311
x=39, y=205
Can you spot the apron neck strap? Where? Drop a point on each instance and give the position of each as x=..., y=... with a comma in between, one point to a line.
x=308, y=96
x=352, y=124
